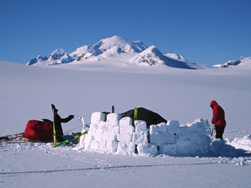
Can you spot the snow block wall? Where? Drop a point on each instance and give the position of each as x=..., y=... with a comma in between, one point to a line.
x=119, y=136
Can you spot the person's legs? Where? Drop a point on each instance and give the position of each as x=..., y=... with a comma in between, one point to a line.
x=219, y=131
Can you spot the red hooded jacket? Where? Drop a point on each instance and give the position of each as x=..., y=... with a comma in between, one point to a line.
x=218, y=114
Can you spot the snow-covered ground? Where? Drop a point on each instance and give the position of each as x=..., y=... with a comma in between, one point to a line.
x=81, y=89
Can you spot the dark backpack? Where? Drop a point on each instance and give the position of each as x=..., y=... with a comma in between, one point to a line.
x=39, y=130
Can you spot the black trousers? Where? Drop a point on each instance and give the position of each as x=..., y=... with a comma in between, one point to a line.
x=219, y=131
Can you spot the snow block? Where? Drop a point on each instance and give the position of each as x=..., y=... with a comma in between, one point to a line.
x=102, y=125
x=160, y=138
x=126, y=129
x=96, y=145
x=86, y=142
x=162, y=127
x=113, y=128
x=103, y=146
x=93, y=128
x=140, y=126
x=140, y=137
x=200, y=126
x=111, y=146
x=168, y=149
x=108, y=136
x=99, y=135
x=97, y=117
x=204, y=144
x=81, y=143
x=185, y=148
x=88, y=138
x=125, y=121
x=185, y=131
x=87, y=146
x=146, y=149
x=125, y=148
x=193, y=137
x=124, y=137
x=113, y=119
x=173, y=126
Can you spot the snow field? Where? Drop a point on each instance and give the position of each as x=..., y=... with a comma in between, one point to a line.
x=186, y=96
x=118, y=136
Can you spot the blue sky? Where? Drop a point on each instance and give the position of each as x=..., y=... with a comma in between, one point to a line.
x=203, y=31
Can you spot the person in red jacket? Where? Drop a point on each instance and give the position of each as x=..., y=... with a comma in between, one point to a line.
x=218, y=119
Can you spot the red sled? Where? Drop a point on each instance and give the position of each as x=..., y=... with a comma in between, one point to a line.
x=39, y=130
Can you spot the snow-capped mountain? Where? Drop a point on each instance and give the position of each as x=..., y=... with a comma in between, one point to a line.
x=242, y=60
x=58, y=56
x=152, y=56
x=109, y=48
x=120, y=43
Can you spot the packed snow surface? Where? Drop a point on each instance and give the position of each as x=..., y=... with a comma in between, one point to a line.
x=180, y=96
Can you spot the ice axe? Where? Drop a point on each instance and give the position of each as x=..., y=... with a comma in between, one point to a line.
x=213, y=129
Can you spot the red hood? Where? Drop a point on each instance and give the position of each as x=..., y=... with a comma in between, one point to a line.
x=213, y=103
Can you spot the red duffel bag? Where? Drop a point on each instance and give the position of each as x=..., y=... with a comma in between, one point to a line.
x=39, y=130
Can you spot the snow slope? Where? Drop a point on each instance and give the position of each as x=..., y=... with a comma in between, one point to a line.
x=176, y=94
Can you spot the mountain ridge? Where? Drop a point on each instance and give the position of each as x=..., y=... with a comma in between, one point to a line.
x=233, y=63
x=107, y=49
